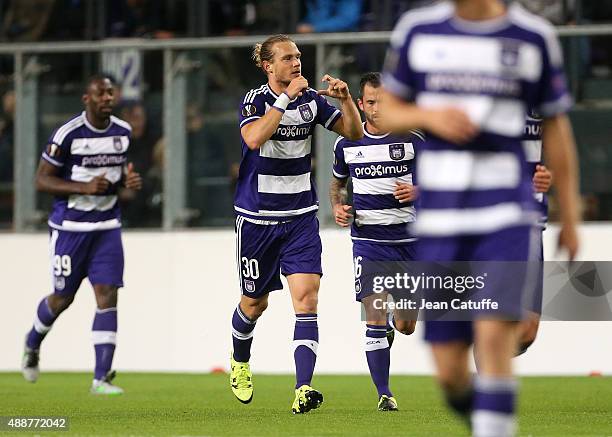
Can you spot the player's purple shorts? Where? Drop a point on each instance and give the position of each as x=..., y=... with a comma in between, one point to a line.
x=364, y=252
x=264, y=251
x=97, y=255
x=511, y=244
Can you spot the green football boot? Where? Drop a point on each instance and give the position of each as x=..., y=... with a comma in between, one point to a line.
x=241, y=381
x=306, y=399
x=387, y=403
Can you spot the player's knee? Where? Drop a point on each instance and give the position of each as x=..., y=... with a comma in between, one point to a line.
x=58, y=303
x=523, y=346
x=406, y=327
x=254, y=308
x=453, y=378
x=106, y=296
x=260, y=308
x=451, y=381
x=307, y=302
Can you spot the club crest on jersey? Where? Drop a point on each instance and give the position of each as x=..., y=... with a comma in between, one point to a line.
x=117, y=144
x=397, y=152
x=306, y=112
x=509, y=54
x=357, y=286
x=248, y=110
x=60, y=282
x=249, y=286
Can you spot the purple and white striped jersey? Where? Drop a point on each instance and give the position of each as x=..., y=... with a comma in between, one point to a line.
x=496, y=71
x=375, y=163
x=83, y=152
x=274, y=181
x=532, y=146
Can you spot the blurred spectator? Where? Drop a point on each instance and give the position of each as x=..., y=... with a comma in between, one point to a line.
x=26, y=20
x=273, y=16
x=331, y=16
x=255, y=17
x=597, y=11
x=6, y=163
x=230, y=17
x=67, y=21
x=599, y=50
x=6, y=137
x=144, y=18
x=139, y=209
x=209, y=171
x=558, y=12
x=382, y=15
x=591, y=208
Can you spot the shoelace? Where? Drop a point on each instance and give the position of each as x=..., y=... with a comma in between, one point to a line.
x=32, y=359
x=243, y=379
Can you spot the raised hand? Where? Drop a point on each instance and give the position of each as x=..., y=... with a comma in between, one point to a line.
x=133, y=180
x=296, y=87
x=336, y=88
x=342, y=215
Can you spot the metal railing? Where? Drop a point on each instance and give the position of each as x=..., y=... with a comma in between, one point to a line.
x=176, y=66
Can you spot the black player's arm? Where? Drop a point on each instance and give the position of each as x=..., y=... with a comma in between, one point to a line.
x=48, y=182
x=337, y=191
x=261, y=130
x=349, y=123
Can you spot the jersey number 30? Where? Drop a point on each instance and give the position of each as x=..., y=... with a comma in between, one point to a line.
x=250, y=268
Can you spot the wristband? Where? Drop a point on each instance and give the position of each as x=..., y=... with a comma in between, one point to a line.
x=282, y=102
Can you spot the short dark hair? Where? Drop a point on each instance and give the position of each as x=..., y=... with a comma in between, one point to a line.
x=372, y=78
x=98, y=77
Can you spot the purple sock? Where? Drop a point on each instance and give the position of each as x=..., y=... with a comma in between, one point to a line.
x=104, y=334
x=42, y=324
x=378, y=355
x=493, y=409
x=242, y=335
x=305, y=344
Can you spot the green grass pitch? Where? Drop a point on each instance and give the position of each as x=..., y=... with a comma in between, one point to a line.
x=189, y=404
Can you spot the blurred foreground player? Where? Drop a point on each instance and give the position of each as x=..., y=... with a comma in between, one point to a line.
x=277, y=229
x=381, y=166
x=83, y=166
x=469, y=71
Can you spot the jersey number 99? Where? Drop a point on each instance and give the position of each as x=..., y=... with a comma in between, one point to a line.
x=62, y=265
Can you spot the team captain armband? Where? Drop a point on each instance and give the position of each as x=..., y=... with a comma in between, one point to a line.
x=282, y=102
